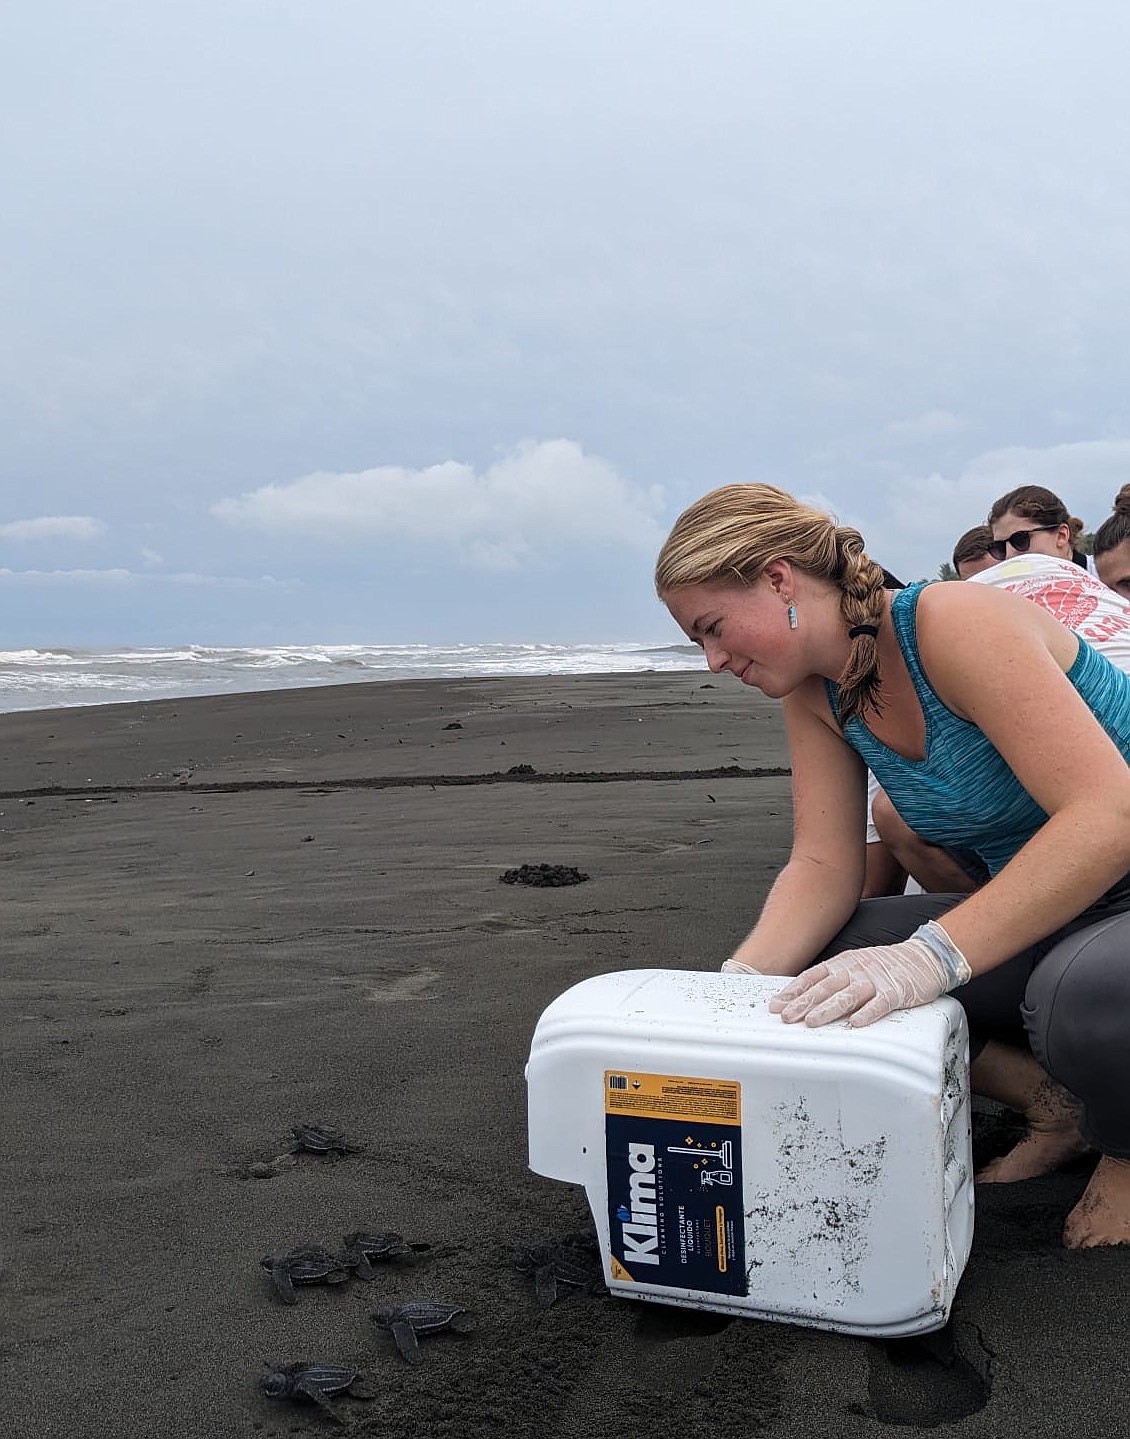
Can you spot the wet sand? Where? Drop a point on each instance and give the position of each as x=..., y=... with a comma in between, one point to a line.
x=225, y=916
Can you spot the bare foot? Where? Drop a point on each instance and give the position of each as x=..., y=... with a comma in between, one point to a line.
x=1052, y=1140
x=1102, y=1216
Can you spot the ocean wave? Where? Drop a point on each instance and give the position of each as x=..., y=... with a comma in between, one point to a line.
x=687, y=649
x=60, y=676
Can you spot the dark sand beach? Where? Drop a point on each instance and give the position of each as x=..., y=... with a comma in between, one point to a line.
x=224, y=916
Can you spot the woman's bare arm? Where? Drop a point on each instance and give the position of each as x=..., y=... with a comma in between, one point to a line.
x=817, y=892
x=1003, y=667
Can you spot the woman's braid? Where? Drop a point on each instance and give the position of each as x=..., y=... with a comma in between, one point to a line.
x=861, y=603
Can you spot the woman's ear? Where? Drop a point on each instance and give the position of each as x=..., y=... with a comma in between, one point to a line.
x=779, y=573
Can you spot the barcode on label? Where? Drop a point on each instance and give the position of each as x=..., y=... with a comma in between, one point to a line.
x=617, y=1081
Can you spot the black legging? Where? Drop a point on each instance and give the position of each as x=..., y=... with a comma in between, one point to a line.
x=1067, y=998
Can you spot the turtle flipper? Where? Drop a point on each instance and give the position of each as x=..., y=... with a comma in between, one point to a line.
x=337, y=1276
x=361, y=1266
x=280, y=1278
x=313, y=1392
x=545, y=1284
x=362, y=1387
x=405, y=1337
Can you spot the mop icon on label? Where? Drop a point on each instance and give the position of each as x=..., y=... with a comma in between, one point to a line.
x=722, y=1175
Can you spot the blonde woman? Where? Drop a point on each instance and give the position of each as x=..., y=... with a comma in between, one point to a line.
x=991, y=727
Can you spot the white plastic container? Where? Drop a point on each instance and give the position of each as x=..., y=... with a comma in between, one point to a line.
x=736, y=1163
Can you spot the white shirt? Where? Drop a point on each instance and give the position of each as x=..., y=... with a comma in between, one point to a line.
x=1072, y=595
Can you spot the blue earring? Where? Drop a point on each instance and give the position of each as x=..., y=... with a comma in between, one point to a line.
x=792, y=616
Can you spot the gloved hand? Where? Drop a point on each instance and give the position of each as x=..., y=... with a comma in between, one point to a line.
x=735, y=966
x=867, y=984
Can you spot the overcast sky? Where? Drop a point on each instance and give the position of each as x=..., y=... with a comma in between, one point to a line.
x=357, y=321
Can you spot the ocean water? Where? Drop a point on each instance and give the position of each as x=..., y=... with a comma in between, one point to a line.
x=49, y=678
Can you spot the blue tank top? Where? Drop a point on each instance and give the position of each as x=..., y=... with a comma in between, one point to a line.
x=963, y=793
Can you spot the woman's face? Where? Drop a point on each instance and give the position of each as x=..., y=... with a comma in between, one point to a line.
x=1055, y=541
x=744, y=631
x=1114, y=569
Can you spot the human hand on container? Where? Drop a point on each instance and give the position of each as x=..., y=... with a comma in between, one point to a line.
x=863, y=985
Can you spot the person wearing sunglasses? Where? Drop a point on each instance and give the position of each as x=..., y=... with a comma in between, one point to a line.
x=991, y=726
x=1033, y=520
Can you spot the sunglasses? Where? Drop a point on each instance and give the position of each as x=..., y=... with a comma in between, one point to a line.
x=1020, y=542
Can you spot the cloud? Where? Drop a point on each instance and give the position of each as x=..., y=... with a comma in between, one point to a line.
x=914, y=520
x=1086, y=476
x=53, y=527
x=122, y=577
x=64, y=577
x=539, y=498
x=929, y=426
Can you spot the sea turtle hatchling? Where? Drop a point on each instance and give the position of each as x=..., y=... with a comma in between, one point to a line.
x=320, y=1139
x=317, y=1382
x=363, y=1248
x=574, y=1259
x=304, y=1264
x=421, y=1316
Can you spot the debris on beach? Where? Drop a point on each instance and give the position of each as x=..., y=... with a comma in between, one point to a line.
x=304, y=1264
x=572, y=1259
x=421, y=1316
x=320, y=1139
x=521, y=769
x=362, y=1249
x=546, y=876
x=316, y=1382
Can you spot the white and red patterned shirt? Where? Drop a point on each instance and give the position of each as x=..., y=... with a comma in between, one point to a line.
x=1076, y=598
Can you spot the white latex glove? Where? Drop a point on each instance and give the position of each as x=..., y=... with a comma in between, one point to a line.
x=867, y=984
x=736, y=966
